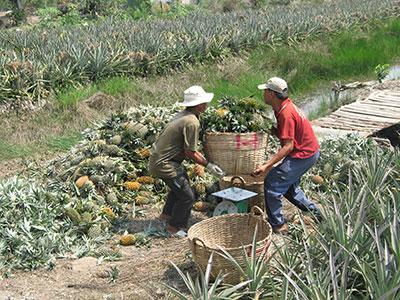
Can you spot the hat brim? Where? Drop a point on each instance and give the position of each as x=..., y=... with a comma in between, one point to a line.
x=263, y=86
x=206, y=98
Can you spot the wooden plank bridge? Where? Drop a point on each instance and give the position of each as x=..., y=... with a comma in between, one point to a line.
x=379, y=110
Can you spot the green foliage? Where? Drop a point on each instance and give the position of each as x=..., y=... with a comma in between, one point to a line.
x=381, y=71
x=10, y=151
x=64, y=143
x=254, y=268
x=32, y=232
x=18, y=16
x=72, y=95
x=202, y=288
x=236, y=115
x=113, y=274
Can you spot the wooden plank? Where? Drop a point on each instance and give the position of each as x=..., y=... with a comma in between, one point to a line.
x=373, y=112
x=359, y=117
x=373, y=106
x=344, y=127
x=380, y=104
x=353, y=123
x=341, y=120
x=385, y=98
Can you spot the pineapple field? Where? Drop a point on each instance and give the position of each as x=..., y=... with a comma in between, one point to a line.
x=83, y=224
x=91, y=217
x=39, y=62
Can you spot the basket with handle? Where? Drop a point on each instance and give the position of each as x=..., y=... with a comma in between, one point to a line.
x=234, y=233
x=247, y=182
x=236, y=153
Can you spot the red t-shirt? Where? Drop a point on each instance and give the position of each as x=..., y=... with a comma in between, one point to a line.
x=294, y=125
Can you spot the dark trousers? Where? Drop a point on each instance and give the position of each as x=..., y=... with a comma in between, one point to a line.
x=179, y=201
x=284, y=180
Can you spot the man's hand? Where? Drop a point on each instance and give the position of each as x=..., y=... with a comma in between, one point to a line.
x=214, y=169
x=261, y=170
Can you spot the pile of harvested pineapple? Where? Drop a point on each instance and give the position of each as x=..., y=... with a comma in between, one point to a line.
x=106, y=176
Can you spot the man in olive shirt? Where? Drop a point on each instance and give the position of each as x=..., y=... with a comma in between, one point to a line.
x=176, y=142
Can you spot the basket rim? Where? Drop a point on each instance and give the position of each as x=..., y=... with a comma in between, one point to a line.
x=234, y=133
x=191, y=229
x=225, y=179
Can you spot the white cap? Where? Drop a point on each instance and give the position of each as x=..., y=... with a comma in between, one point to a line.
x=195, y=95
x=275, y=84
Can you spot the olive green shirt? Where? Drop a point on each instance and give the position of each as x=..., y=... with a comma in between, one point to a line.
x=167, y=153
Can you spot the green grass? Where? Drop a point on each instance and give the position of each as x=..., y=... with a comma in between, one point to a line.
x=10, y=151
x=65, y=142
x=71, y=95
x=116, y=86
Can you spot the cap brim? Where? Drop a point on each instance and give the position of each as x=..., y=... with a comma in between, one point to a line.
x=206, y=98
x=262, y=86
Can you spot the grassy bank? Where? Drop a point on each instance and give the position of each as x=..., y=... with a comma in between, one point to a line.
x=314, y=64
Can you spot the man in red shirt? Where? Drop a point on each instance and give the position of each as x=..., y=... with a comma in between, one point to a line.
x=299, y=151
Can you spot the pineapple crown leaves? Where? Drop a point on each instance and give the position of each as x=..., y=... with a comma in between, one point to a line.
x=236, y=115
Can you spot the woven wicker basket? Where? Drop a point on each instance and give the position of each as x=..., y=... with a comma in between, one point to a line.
x=236, y=153
x=231, y=232
x=247, y=182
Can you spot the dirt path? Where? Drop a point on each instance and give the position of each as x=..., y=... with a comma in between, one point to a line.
x=141, y=274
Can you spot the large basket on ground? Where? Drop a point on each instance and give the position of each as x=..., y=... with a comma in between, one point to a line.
x=234, y=233
x=236, y=153
x=247, y=182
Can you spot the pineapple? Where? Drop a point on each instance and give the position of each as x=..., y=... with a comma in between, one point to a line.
x=94, y=231
x=200, y=188
x=317, y=179
x=73, y=215
x=81, y=181
x=144, y=152
x=328, y=169
x=108, y=212
x=146, y=194
x=111, y=198
x=131, y=176
x=198, y=170
x=221, y=112
x=86, y=217
x=116, y=140
x=142, y=200
x=132, y=185
x=201, y=206
x=146, y=180
x=127, y=240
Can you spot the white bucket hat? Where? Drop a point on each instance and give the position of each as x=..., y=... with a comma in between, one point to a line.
x=195, y=95
x=276, y=84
